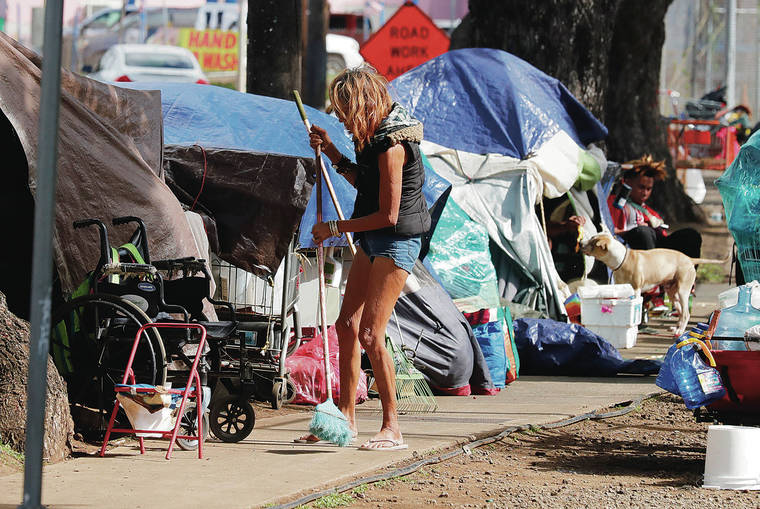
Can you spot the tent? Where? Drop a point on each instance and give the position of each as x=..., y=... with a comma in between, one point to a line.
x=460, y=257
x=245, y=160
x=504, y=134
x=254, y=149
x=109, y=161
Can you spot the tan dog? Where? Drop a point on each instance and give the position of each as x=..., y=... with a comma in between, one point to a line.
x=646, y=269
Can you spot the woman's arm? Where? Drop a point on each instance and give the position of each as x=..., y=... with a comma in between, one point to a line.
x=318, y=137
x=391, y=163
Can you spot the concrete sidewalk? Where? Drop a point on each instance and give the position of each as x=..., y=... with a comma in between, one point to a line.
x=269, y=468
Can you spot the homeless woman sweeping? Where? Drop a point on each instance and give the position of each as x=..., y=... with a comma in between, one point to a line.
x=390, y=214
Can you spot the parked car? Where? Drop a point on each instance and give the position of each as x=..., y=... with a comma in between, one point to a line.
x=149, y=62
x=93, y=43
x=342, y=52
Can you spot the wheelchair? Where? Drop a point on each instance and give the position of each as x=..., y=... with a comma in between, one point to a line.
x=93, y=332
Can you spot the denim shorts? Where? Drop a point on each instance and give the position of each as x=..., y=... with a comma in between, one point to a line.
x=402, y=250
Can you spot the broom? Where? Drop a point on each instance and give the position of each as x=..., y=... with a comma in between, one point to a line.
x=328, y=422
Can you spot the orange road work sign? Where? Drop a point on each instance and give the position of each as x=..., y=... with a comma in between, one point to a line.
x=408, y=39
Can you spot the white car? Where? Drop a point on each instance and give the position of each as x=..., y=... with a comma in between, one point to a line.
x=149, y=62
x=342, y=52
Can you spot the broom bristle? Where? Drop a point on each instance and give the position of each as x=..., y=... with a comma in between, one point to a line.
x=413, y=394
x=330, y=424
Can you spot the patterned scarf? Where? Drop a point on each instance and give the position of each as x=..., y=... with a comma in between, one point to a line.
x=398, y=126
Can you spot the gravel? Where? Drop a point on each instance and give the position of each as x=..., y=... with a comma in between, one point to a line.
x=652, y=456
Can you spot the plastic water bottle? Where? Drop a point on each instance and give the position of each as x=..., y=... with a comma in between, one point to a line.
x=734, y=320
x=333, y=269
x=698, y=383
x=621, y=197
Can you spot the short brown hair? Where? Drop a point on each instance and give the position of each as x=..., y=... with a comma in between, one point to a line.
x=361, y=100
x=645, y=166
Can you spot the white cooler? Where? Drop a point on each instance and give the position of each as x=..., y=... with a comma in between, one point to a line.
x=612, y=312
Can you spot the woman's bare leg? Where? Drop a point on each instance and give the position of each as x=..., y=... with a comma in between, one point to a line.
x=383, y=288
x=347, y=328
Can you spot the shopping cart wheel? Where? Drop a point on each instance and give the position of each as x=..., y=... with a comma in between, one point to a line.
x=189, y=426
x=277, y=395
x=232, y=418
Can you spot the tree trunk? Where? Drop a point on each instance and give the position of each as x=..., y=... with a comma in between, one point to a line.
x=566, y=39
x=315, y=63
x=632, y=111
x=613, y=68
x=14, y=367
x=275, y=45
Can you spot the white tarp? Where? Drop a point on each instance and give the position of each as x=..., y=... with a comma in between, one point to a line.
x=501, y=193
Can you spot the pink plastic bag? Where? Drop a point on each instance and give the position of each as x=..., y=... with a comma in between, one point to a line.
x=307, y=371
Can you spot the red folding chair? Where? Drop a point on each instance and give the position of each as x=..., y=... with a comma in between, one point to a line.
x=187, y=392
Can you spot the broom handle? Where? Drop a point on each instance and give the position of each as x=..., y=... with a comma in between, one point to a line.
x=326, y=175
x=322, y=300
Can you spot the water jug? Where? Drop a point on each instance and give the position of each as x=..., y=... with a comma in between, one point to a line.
x=698, y=383
x=665, y=378
x=734, y=320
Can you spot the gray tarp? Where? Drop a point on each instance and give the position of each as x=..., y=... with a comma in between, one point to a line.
x=109, y=156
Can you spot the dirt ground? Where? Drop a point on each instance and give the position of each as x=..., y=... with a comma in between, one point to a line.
x=651, y=457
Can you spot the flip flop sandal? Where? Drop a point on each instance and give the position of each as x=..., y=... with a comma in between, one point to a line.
x=395, y=445
x=307, y=441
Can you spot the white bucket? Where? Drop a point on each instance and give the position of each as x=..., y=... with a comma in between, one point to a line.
x=733, y=458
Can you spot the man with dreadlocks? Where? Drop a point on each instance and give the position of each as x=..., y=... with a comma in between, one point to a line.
x=639, y=225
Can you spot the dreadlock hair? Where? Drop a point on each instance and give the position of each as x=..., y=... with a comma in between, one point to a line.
x=645, y=166
x=360, y=99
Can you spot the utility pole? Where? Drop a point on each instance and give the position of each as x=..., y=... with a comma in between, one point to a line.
x=274, y=51
x=242, y=38
x=731, y=55
x=42, y=267
x=315, y=68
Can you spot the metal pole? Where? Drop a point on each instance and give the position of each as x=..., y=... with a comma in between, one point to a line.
x=694, y=22
x=121, y=20
x=756, y=106
x=75, y=44
x=165, y=13
x=42, y=268
x=710, y=44
x=242, y=33
x=731, y=55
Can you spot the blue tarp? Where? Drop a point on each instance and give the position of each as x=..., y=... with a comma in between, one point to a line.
x=554, y=348
x=483, y=100
x=216, y=117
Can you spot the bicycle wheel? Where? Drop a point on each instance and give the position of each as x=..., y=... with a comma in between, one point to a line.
x=91, y=340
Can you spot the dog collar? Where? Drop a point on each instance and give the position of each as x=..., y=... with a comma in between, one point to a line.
x=623, y=260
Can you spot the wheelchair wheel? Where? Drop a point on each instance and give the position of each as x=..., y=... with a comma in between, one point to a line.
x=189, y=426
x=232, y=418
x=91, y=339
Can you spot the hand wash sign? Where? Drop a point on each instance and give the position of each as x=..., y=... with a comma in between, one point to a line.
x=216, y=50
